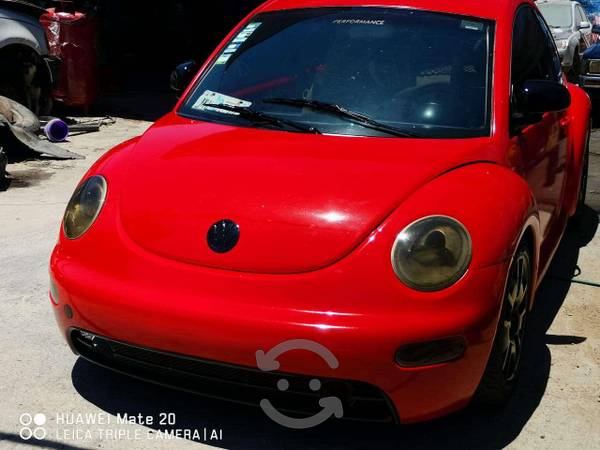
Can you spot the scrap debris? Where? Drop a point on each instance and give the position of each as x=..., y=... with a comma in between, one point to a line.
x=18, y=140
x=18, y=128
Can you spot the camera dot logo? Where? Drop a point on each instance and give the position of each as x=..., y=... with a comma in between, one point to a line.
x=32, y=426
x=39, y=419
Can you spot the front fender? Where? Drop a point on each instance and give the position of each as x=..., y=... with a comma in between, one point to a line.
x=22, y=33
x=110, y=162
x=494, y=204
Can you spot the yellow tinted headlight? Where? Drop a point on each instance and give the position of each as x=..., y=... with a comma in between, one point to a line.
x=84, y=206
x=432, y=254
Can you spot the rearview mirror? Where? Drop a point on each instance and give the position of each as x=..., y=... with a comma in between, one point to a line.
x=585, y=25
x=542, y=96
x=182, y=76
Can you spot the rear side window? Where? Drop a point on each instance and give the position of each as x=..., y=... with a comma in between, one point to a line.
x=534, y=54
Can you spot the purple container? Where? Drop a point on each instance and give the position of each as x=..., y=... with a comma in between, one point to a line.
x=56, y=130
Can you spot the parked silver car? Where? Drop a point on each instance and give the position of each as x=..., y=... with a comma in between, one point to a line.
x=571, y=29
x=27, y=72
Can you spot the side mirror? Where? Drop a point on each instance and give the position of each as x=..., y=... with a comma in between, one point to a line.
x=585, y=25
x=536, y=97
x=542, y=96
x=182, y=76
x=596, y=29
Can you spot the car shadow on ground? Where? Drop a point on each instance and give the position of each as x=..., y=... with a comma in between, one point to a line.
x=247, y=427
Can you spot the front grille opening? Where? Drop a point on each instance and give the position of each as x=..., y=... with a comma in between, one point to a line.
x=247, y=385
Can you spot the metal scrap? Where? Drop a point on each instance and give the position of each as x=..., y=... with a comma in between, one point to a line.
x=18, y=128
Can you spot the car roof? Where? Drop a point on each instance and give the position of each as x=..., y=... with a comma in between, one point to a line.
x=477, y=8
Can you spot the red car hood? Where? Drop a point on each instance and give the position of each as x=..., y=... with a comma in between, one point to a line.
x=301, y=201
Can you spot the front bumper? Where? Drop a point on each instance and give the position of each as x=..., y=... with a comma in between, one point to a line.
x=240, y=384
x=124, y=294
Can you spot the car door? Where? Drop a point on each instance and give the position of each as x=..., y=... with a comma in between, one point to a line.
x=542, y=145
x=585, y=29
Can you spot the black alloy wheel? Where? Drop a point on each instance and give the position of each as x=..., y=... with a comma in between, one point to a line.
x=502, y=371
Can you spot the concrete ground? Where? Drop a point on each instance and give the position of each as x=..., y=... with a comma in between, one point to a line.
x=557, y=403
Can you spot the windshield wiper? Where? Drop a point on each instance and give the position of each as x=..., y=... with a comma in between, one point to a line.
x=260, y=117
x=340, y=111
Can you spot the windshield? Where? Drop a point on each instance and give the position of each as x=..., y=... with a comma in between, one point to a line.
x=427, y=74
x=557, y=16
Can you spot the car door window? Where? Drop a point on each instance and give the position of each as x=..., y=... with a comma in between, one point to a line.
x=552, y=52
x=534, y=54
x=581, y=15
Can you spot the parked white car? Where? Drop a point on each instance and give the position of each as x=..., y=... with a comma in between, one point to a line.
x=572, y=32
x=28, y=72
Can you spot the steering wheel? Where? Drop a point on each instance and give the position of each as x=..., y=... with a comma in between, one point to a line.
x=431, y=103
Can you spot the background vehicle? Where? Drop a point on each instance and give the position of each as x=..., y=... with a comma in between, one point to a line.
x=590, y=69
x=572, y=32
x=28, y=73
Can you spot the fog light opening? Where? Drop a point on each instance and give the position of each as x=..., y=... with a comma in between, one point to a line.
x=431, y=353
x=68, y=311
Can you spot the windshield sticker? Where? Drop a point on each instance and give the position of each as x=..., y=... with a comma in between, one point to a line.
x=223, y=58
x=215, y=98
x=246, y=32
x=359, y=22
x=473, y=26
x=232, y=48
x=237, y=42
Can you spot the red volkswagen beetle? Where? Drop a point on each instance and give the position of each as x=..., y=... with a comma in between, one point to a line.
x=365, y=194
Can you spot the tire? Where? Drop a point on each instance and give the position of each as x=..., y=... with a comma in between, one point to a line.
x=502, y=371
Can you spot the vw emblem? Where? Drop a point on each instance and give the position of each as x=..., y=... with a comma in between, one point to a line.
x=223, y=236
